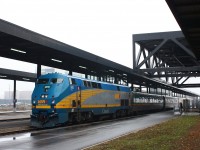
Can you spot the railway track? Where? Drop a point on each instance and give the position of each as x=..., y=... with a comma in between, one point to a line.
x=21, y=126
x=13, y=130
x=14, y=126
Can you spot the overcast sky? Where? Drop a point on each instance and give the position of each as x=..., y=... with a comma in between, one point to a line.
x=101, y=27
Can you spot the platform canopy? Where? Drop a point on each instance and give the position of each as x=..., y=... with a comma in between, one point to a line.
x=21, y=44
x=187, y=14
x=17, y=75
x=165, y=55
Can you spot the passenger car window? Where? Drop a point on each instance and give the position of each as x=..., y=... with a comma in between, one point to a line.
x=99, y=85
x=89, y=84
x=118, y=89
x=94, y=85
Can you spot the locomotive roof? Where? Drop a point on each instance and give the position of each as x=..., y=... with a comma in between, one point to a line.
x=75, y=77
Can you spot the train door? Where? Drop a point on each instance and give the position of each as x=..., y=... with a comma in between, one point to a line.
x=124, y=102
x=131, y=99
x=75, y=87
x=75, y=114
x=78, y=104
x=78, y=97
x=164, y=102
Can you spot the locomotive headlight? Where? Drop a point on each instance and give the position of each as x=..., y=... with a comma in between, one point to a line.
x=46, y=96
x=34, y=102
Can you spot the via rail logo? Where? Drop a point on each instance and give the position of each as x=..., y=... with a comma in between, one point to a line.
x=105, y=111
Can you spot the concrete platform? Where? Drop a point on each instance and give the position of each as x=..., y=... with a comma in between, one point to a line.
x=190, y=113
x=10, y=115
x=81, y=136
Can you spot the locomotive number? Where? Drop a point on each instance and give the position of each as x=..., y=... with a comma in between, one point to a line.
x=42, y=101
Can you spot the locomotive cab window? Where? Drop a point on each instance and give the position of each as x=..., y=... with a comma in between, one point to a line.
x=85, y=83
x=43, y=81
x=72, y=81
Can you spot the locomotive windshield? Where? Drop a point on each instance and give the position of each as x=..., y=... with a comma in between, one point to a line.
x=52, y=81
x=56, y=80
x=43, y=81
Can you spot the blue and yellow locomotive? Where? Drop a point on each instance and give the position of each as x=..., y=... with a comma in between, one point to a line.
x=58, y=99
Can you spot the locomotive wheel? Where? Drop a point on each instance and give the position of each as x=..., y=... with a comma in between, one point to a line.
x=89, y=116
x=114, y=115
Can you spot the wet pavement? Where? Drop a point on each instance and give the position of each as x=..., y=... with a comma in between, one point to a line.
x=79, y=137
